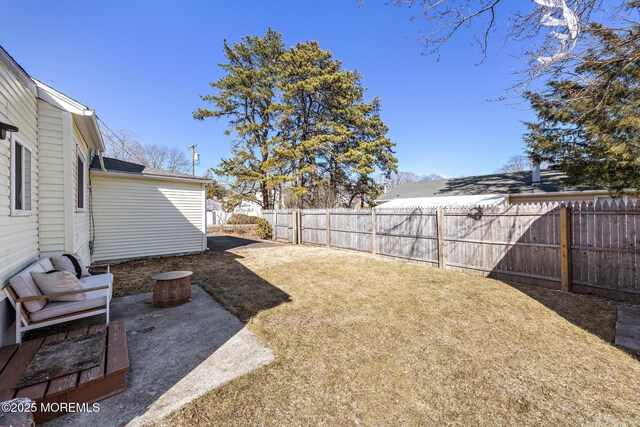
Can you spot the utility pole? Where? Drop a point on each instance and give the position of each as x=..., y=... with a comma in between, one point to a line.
x=194, y=157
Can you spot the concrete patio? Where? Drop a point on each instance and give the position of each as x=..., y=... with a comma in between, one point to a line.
x=177, y=354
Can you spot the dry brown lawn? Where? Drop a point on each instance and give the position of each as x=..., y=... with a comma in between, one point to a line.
x=366, y=341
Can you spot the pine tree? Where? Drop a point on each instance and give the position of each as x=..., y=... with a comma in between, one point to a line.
x=589, y=124
x=332, y=138
x=302, y=125
x=247, y=96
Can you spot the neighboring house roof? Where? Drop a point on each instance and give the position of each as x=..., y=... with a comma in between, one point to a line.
x=551, y=181
x=116, y=166
x=445, y=201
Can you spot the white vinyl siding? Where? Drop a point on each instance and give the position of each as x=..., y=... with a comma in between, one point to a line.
x=139, y=217
x=81, y=216
x=52, y=207
x=18, y=234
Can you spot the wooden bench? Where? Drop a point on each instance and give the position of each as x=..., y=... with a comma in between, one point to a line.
x=25, y=323
x=35, y=310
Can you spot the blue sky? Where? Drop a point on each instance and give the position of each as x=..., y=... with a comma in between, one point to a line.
x=143, y=64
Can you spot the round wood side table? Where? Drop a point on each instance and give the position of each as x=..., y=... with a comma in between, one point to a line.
x=172, y=288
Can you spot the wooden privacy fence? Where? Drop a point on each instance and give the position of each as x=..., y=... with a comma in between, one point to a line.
x=583, y=247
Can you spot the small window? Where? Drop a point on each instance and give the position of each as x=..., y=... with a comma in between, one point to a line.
x=20, y=178
x=80, y=171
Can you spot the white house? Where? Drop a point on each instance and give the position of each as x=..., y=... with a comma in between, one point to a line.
x=535, y=186
x=51, y=203
x=217, y=215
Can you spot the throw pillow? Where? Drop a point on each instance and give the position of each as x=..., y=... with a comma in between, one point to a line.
x=24, y=285
x=60, y=281
x=62, y=263
x=84, y=271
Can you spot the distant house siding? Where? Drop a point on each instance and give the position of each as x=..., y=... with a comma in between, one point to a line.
x=137, y=217
x=51, y=131
x=81, y=218
x=18, y=234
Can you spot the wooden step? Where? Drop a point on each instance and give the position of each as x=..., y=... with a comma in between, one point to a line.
x=87, y=386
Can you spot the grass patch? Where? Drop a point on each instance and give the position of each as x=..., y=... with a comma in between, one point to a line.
x=362, y=340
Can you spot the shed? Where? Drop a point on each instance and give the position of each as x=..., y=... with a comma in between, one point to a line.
x=140, y=211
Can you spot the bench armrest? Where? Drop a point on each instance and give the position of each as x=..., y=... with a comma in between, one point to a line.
x=61, y=294
x=100, y=267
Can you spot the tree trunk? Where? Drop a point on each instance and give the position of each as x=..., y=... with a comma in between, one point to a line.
x=266, y=198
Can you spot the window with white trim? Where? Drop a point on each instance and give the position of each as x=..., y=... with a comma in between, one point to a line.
x=80, y=182
x=20, y=177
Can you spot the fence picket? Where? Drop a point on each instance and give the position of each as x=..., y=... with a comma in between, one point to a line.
x=520, y=243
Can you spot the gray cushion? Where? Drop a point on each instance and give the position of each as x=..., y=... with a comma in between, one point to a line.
x=62, y=263
x=23, y=284
x=93, y=299
x=60, y=281
x=46, y=264
x=83, y=266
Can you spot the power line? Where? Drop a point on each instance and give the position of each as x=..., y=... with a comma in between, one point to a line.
x=122, y=141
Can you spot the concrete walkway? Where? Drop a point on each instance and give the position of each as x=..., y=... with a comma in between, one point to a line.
x=176, y=355
x=628, y=328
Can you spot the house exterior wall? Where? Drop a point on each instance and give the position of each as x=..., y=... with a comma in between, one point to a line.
x=52, y=138
x=139, y=217
x=81, y=217
x=63, y=228
x=18, y=234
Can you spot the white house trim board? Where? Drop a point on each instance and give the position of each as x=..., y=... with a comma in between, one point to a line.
x=204, y=217
x=59, y=99
x=17, y=71
x=81, y=157
x=85, y=117
x=69, y=196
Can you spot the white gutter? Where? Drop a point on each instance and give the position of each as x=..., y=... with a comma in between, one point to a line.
x=149, y=176
x=560, y=193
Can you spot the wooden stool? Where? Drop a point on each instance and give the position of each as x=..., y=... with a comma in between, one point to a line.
x=172, y=288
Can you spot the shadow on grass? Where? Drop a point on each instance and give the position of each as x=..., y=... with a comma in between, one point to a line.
x=532, y=265
x=238, y=289
x=591, y=313
x=226, y=242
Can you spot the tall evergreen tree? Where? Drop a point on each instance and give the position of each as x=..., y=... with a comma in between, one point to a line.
x=306, y=116
x=589, y=124
x=247, y=96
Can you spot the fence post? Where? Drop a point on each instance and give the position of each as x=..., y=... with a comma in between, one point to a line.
x=565, y=248
x=440, y=231
x=328, y=224
x=300, y=240
x=274, y=231
x=292, y=221
x=373, y=231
